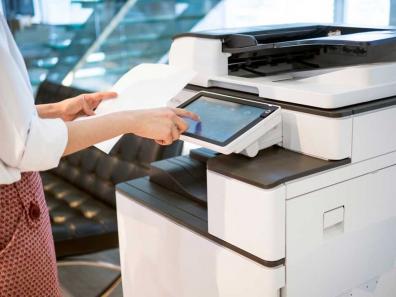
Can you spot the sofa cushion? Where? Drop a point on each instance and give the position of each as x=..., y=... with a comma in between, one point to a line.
x=75, y=213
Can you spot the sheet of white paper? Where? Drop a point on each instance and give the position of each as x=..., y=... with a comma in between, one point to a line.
x=144, y=86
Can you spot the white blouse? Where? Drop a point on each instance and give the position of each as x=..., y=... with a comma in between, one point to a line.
x=27, y=142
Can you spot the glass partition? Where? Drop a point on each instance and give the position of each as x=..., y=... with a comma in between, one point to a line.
x=55, y=37
x=142, y=34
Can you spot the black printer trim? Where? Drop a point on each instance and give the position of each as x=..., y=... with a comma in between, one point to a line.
x=271, y=167
x=292, y=36
x=330, y=113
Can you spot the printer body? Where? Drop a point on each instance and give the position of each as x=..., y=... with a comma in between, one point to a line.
x=293, y=193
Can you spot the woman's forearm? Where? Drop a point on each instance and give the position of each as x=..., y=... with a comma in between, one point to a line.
x=164, y=125
x=48, y=111
x=82, y=134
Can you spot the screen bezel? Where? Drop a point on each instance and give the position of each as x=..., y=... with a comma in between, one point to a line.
x=228, y=99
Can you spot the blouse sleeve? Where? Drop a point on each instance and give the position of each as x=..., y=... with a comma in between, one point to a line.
x=27, y=142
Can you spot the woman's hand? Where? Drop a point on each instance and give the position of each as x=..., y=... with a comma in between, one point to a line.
x=70, y=109
x=164, y=125
x=84, y=104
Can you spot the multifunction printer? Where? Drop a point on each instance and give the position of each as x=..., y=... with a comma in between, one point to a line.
x=291, y=191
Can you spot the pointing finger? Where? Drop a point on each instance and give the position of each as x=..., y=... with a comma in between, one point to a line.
x=185, y=113
x=105, y=95
x=96, y=98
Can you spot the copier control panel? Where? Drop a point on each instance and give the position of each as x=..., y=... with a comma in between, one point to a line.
x=231, y=124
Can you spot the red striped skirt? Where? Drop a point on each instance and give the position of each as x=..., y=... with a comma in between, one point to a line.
x=27, y=255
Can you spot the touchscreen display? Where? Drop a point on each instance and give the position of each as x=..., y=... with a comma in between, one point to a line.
x=220, y=120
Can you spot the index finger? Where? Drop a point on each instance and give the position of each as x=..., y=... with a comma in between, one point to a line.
x=96, y=98
x=185, y=113
x=101, y=96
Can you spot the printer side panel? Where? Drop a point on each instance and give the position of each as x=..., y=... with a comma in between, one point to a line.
x=318, y=136
x=342, y=237
x=246, y=216
x=374, y=134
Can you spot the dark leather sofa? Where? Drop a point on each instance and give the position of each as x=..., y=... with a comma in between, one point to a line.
x=80, y=191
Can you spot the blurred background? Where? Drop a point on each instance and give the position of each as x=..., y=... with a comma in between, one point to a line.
x=89, y=44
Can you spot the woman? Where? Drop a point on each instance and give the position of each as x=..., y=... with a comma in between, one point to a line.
x=34, y=138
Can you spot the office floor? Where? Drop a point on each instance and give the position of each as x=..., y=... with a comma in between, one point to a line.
x=87, y=281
